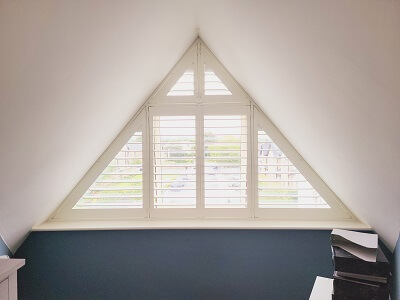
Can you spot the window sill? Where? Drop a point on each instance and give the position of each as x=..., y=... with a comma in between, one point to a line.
x=197, y=224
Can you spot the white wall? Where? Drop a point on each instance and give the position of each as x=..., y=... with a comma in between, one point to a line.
x=73, y=73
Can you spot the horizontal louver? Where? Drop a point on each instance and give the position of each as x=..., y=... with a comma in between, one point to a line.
x=280, y=184
x=174, y=161
x=120, y=185
x=225, y=161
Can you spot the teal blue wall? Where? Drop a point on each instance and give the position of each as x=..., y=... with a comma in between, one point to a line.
x=178, y=264
x=396, y=271
x=174, y=264
x=3, y=248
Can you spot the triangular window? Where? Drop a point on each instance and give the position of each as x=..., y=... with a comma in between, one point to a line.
x=213, y=86
x=201, y=148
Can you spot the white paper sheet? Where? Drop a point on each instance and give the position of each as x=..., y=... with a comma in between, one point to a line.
x=322, y=289
x=368, y=240
x=360, y=244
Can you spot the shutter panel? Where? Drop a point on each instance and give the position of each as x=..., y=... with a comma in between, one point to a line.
x=174, y=161
x=225, y=161
x=184, y=86
x=120, y=185
x=280, y=184
x=213, y=85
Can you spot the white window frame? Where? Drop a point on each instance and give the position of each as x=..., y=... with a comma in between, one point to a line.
x=199, y=105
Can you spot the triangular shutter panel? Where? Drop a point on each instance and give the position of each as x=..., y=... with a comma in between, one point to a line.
x=199, y=78
x=115, y=185
x=218, y=86
x=280, y=183
x=286, y=186
x=213, y=85
x=184, y=86
x=180, y=86
x=120, y=185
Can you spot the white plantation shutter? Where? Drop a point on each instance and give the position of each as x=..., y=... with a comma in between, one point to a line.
x=280, y=184
x=213, y=85
x=174, y=161
x=184, y=86
x=200, y=148
x=120, y=185
x=225, y=161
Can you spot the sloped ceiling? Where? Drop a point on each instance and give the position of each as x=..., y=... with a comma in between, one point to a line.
x=72, y=73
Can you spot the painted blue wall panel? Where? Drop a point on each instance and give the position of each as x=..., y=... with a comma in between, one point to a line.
x=174, y=264
x=396, y=271
x=3, y=248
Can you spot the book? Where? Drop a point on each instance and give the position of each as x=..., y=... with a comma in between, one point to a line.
x=343, y=297
x=322, y=289
x=362, y=277
x=344, y=261
x=359, y=289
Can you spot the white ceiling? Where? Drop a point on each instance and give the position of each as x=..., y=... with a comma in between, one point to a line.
x=72, y=73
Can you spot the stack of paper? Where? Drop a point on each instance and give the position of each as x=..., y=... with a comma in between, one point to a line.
x=361, y=269
x=362, y=245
